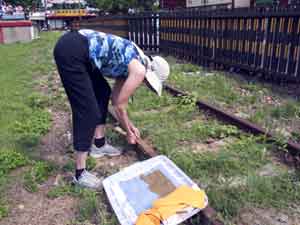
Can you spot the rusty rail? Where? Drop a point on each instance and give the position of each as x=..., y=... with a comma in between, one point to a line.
x=208, y=215
x=293, y=148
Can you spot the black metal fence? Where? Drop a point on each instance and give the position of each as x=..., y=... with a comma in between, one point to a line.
x=265, y=41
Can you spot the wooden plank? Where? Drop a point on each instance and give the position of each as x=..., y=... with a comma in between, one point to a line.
x=144, y=147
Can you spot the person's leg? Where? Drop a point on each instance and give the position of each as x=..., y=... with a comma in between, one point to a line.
x=102, y=92
x=72, y=66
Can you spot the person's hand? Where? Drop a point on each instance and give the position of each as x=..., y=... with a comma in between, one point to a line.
x=131, y=138
x=133, y=134
x=135, y=131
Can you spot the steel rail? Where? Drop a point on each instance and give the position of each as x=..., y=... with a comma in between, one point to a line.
x=206, y=216
x=293, y=148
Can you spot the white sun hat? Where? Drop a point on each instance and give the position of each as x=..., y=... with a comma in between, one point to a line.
x=157, y=70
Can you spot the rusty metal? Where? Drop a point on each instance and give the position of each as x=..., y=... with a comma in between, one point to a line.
x=208, y=215
x=293, y=148
x=144, y=147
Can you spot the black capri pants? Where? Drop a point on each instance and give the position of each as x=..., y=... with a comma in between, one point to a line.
x=87, y=90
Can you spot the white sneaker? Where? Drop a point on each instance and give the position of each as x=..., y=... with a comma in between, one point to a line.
x=104, y=150
x=88, y=180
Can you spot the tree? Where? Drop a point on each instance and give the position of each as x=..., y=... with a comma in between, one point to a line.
x=115, y=6
x=122, y=6
x=146, y=4
x=25, y=3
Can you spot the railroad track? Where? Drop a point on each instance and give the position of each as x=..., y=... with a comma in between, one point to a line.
x=293, y=148
x=206, y=216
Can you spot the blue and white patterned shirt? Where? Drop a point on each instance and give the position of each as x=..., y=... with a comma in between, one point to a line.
x=111, y=54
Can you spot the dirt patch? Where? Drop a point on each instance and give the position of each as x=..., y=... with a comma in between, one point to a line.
x=55, y=145
x=153, y=111
x=210, y=146
x=35, y=208
x=257, y=216
x=108, y=165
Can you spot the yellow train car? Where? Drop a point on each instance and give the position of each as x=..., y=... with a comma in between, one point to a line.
x=69, y=12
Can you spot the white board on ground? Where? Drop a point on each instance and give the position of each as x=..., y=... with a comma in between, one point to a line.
x=133, y=190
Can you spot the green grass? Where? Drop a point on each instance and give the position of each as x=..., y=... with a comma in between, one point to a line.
x=258, y=102
x=277, y=192
x=11, y=159
x=23, y=114
x=70, y=164
x=38, y=174
x=230, y=174
x=92, y=205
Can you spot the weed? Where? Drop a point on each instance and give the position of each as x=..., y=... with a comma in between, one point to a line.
x=187, y=67
x=88, y=205
x=23, y=117
x=70, y=164
x=237, y=158
x=30, y=129
x=11, y=159
x=295, y=136
x=3, y=210
x=37, y=101
x=286, y=111
x=233, y=93
x=277, y=192
x=38, y=174
x=186, y=102
x=91, y=163
x=61, y=191
x=213, y=129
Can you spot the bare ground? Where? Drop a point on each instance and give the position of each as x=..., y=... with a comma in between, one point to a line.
x=257, y=216
x=26, y=208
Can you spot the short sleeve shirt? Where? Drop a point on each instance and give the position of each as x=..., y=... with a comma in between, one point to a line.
x=111, y=54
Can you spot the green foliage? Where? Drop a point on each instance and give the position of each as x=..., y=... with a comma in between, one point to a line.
x=70, y=164
x=114, y=5
x=286, y=111
x=31, y=128
x=186, y=102
x=21, y=65
x=3, y=211
x=214, y=129
x=38, y=174
x=91, y=163
x=188, y=67
x=37, y=101
x=11, y=159
x=25, y=3
x=256, y=101
x=238, y=158
x=62, y=191
x=88, y=205
x=276, y=192
x=118, y=6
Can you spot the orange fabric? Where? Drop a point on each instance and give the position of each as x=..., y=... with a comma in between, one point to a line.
x=163, y=208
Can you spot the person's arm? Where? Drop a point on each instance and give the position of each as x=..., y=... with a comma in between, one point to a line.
x=122, y=90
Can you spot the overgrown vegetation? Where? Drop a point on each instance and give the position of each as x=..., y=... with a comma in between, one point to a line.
x=258, y=102
x=38, y=174
x=92, y=205
x=231, y=172
x=23, y=114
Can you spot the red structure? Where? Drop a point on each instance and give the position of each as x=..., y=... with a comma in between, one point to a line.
x=172, y=4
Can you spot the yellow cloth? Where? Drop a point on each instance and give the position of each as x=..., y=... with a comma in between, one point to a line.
x=176, y=201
